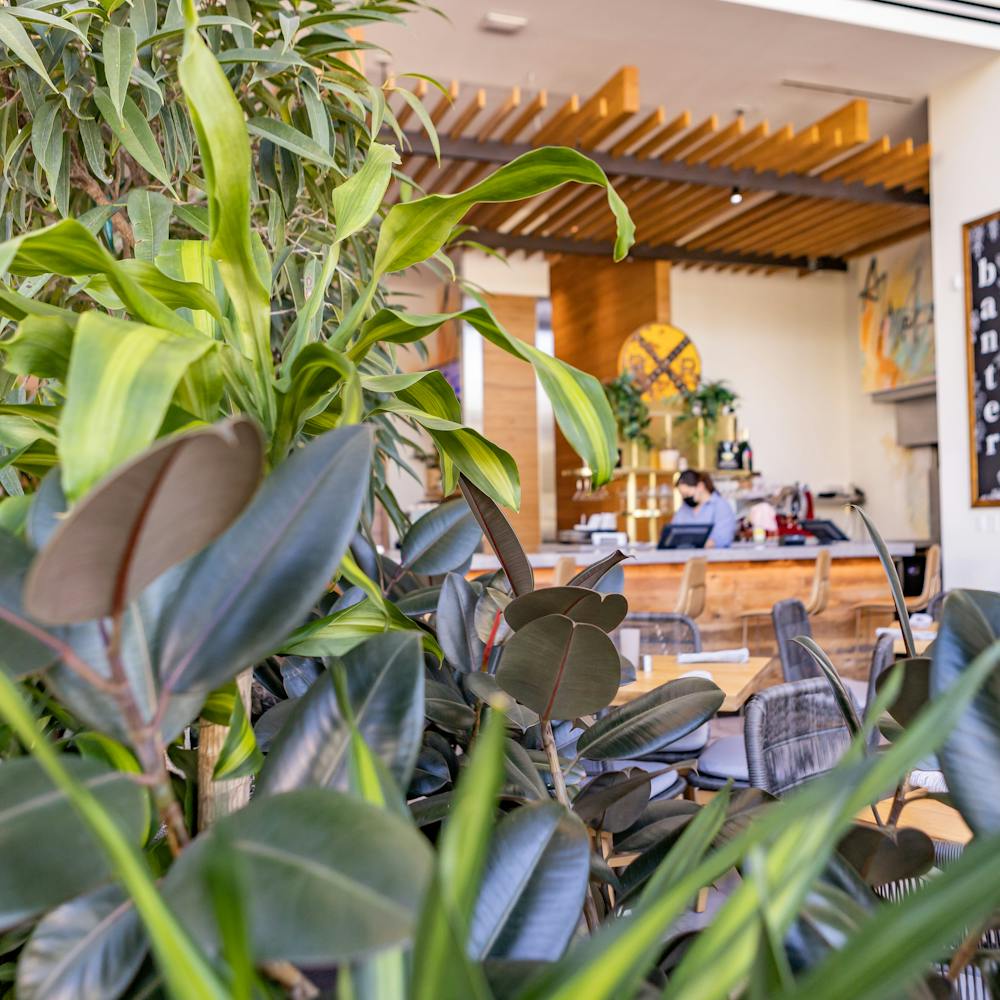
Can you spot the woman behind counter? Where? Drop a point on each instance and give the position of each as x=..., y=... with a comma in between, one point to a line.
x=702, y=505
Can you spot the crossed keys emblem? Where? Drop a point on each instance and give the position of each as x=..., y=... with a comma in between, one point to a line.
x=665, y=366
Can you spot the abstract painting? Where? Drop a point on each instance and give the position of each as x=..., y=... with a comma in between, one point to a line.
x=897, y=317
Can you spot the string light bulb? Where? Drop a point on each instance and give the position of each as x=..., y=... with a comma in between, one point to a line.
x=736, y=196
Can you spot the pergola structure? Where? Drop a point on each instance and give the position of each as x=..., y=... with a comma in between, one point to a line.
x=811, y=198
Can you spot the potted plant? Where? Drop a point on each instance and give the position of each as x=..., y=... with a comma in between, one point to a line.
x=630, y=410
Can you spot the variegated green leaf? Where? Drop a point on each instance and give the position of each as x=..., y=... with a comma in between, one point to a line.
x=415, y=230
x=225, y=153
x=359, y=197
x=581, y=409
x=121, y=379
x=240, y=754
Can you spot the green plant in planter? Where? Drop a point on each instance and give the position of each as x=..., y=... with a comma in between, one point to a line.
x=710, y=401
x=630, y=409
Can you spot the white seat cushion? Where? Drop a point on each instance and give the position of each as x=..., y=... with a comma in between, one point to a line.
x=692, y=743
x=725, y=758
x=933, y=781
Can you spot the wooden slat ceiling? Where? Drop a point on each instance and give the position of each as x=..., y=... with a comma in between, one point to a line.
x=813, y=197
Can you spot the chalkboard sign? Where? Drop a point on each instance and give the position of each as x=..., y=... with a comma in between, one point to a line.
x=982, y=300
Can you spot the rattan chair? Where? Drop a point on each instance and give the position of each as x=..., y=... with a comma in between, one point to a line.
x=691, y=599
x=819, y=595
x=921, y=602
x=664, y=633
x=791, y=620
x=793, y=732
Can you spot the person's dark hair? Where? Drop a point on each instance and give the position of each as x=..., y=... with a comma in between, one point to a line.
x=692, y=477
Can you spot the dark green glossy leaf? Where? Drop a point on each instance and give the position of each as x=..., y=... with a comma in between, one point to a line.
x=892, y=950
x=521, y=772
x=501, y=537
x=456, y=624
x=606, y=611
x=48, y=850
x=87, y=949
x=20, y=654
x=531, y=895
x=614, y=800
x=333, y=877
x=882, y=856
x=244, y=594
x=914, y=691
x=592, y=575
x=485, y=688
x=441, y=540
x=648, y=722
x=560, y=669
x=970, y=624
x=385, y=686
x=430, y=774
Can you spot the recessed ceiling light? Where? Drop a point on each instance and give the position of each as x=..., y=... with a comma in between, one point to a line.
x=502, y=22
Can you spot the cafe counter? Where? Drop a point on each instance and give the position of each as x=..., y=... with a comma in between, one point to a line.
x=742, y=578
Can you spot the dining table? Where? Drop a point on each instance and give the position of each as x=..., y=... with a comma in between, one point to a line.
x=738, y=680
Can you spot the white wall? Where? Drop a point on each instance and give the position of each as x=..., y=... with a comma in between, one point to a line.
x=779, y=342
x=965, y=181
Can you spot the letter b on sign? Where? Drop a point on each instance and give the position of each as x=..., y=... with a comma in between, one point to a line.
x=987, y=272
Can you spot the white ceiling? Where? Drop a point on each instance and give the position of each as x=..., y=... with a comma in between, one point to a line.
x=704, y=55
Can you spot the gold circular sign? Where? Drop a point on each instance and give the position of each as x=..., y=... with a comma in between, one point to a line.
x=662, y=360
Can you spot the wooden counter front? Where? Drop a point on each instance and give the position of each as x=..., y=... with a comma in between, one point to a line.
x=735, y=586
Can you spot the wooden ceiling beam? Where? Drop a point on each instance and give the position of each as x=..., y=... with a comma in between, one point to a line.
x=570, y=108
x=620, y=94
x=898, y=153
x=650, y=123
x=502, y=113
x=748, y=160
x=640, y=251
x=864, y=156
x=657, y=169
x=672, y=128
x=466, y=115
x=750, y=217
x=732, y=131
x=699, y=132
x=535, y=107
x=756, y=135
x=445, y=103
x=885, y=241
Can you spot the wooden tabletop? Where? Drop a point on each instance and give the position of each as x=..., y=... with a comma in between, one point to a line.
x=737, y=680
x=920, y=645
x=938, y=820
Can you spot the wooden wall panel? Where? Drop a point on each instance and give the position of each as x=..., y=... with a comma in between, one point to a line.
x=596, y=304
x=510, y=414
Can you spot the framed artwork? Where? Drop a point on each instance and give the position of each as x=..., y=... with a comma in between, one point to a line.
x=896, y=330
x=981, y=243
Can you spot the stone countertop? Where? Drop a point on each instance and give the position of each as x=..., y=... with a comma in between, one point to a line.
x=548, y=555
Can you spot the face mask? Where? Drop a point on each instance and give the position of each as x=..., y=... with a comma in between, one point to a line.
x=691, y=502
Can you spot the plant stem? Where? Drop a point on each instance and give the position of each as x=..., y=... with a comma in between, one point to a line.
x=148, y=745
x=558, y=782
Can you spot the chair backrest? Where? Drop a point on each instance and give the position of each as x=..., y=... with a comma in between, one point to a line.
x=691, y=599
x=819, y=597
x=791, y=620
x=883, y=657
x=663, y=633
x=564, y=571
x=932, y=579
x=793, y=732
x=936, y=604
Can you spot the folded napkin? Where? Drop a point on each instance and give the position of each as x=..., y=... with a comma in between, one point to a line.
x=918, y=633
x=716, y=656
